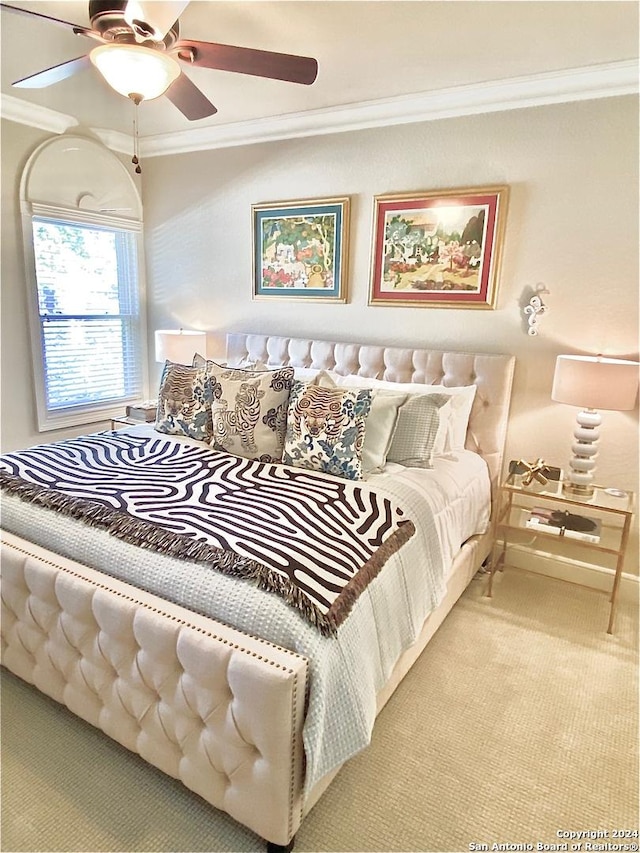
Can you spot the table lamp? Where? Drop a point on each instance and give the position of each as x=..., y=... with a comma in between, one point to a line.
x=591, y=382
x=179, y=345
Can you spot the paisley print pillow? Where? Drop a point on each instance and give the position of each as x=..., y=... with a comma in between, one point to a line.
x=184, y=402
x=249, y=410
x=326, y=429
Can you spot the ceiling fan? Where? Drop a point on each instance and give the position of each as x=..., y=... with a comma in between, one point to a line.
x=140, y=55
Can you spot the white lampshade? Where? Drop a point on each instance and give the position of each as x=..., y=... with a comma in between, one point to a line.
x=131, y=69
x=178, y=345
x=594, y=382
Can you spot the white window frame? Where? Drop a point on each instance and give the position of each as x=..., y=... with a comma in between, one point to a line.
x=93, y=412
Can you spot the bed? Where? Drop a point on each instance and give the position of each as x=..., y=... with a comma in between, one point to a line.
x=255, y=706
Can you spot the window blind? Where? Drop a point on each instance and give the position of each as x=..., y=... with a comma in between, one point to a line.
x=90, y=360
x=88, y=304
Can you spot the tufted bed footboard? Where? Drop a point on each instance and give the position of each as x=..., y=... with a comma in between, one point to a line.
x=215, y=708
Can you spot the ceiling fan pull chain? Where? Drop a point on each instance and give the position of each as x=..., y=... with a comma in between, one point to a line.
x=135, y=159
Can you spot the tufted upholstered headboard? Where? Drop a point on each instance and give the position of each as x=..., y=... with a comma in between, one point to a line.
x=491, y=373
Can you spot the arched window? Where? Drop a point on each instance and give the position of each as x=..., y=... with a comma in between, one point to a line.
x=82, y=227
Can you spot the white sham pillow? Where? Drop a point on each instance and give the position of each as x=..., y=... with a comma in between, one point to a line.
x=444, y=428
x=380, y=425
x=454, y=417
x=306, y=374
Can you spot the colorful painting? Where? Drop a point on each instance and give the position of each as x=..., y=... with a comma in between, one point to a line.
x=438, y=249
x=300, y=250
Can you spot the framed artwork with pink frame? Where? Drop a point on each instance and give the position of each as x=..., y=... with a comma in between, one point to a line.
x=438, y=249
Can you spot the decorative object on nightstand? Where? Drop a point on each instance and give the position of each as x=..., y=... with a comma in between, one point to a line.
x=537, y=471
x=179, y=345
x=534, y=471
x=593, y=382
x=143, y=412
x=565, y=523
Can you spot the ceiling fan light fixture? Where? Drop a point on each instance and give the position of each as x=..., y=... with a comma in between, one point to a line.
x=133, y=69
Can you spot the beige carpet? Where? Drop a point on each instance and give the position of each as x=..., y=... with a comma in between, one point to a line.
x=519, y=721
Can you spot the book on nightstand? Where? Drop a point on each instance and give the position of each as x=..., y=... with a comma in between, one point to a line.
x=564, y=523
x=145, y=412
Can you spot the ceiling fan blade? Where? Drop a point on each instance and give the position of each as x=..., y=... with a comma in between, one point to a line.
x=54, y=74
x=191, y=102
x=154, y=18
x=80, y=30
x=246, y=60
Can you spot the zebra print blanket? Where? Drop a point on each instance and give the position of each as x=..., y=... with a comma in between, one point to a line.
x=316, y=540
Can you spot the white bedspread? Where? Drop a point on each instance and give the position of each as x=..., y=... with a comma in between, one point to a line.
x=458, y=491
x=447, y=505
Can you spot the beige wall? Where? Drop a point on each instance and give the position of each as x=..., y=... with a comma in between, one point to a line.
x=572, y=226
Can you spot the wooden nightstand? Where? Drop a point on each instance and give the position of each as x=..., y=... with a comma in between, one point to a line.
x=614, y=511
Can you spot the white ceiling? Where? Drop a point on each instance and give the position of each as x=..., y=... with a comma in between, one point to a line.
x=386, y=58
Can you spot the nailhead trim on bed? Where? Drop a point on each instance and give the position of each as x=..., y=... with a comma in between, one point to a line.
x=202, y=717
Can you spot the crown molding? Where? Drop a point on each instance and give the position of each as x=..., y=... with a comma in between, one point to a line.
x=22, y=112
x=114, y=139
x=555, y=87
x=598, y=81
x=42, y=118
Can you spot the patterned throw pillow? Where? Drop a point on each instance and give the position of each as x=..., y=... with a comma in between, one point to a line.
x=326, y=429
x=184, y=402
x=416, y=429
x=249, y=410
x=381, y=423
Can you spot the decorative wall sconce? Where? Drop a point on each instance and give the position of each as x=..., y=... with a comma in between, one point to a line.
x=534, y=310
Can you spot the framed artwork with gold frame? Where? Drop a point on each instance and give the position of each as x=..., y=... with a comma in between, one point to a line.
x=300, y=250
x=438, y=249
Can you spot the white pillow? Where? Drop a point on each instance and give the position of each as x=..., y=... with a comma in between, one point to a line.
x=380, y=424
x=306, y=374
x=457, y=413
x=444, y=428
x=454, y=417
